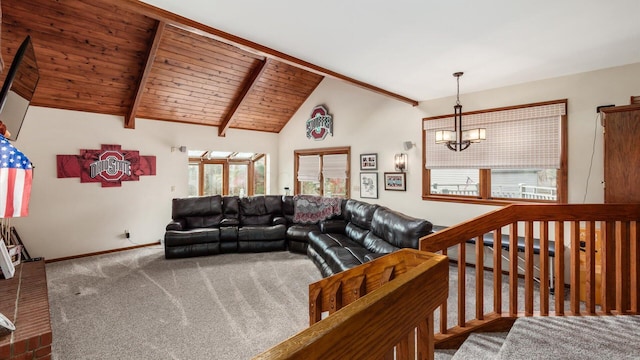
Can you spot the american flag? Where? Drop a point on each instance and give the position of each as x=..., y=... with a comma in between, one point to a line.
x=16, y=174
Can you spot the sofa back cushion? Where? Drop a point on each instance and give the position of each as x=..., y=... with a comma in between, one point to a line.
x=231, y=207
x=196, y=206
x=359, y=216
x=196, y=222
x=253, y=211
x=359, y=213
x=288, y=208
x=398, y=229
x=273, y=204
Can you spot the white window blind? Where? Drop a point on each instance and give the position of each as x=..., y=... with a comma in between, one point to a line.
x=526, y=137
x=334, y=166
x=309, y=168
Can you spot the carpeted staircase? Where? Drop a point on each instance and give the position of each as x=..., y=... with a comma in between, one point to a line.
x=570, y=337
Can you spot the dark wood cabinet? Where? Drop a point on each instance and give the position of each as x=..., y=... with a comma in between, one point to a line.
x=622, y=154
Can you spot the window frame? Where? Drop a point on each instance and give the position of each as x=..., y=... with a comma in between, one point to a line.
x=484, y=185
x=321, y=152
x=201, y=162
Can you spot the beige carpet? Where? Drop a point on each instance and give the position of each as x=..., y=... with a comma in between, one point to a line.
x=137, y=305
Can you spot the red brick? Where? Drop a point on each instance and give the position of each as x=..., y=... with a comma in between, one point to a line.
x=43, y=351
x=45, y=339
x=5, y=352
x=22, y=357
x=46, y=357
x=33, y=343
x=19, y=347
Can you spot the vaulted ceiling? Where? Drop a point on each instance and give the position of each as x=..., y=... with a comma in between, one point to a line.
x=136, y=61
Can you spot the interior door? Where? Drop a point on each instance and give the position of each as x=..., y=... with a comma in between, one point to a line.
x=622, y=154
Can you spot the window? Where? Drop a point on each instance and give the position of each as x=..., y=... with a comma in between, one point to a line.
x=259, y=175
x=226, y=173
x=238, y=179
x=523, y=159
x=323, y=172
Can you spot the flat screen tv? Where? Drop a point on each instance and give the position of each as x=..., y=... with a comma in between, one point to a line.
x=18, y=88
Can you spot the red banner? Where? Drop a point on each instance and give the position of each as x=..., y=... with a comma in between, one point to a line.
x=110, y=165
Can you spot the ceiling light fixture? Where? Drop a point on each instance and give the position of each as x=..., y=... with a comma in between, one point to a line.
x=458, y=139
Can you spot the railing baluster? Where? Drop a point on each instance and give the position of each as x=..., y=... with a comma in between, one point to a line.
x=608, y=259
x=497, y=271
x=335, y=297
x=513, y=269
x=559, y=271
x=356, y=288
x=387, y=275
x=315, y=306
x=590, y=267
x=634, y=278
x=622, y=267
x=443, y=308
x=462, y=300
x=544, y=268
x=528, y=266
x=480, y=277
x=574, y=274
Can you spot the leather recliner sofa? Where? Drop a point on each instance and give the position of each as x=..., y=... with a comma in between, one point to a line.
x=210, y=225
x=369, y=231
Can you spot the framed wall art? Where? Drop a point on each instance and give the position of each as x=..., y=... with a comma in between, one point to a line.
x=395, y=181
x=369, y=185
x=368, y=161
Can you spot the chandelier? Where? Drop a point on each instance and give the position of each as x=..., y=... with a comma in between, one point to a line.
x=458, y=139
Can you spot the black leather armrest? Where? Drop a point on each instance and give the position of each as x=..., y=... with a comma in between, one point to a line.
x=229, y=222
x=335, y=226
x=279, y=220
x=176, y=225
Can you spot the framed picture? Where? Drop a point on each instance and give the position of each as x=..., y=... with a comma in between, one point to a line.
x=369, y=185
x=395, y=181
x=368, y=161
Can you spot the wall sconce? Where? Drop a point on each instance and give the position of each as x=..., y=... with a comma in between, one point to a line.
x=179, y=148
x=401, y=162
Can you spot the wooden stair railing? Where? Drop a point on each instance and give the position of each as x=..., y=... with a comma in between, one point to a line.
x=382, y=309
x=620, y=268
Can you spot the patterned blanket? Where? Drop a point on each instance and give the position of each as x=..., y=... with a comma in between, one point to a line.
x=311, y=209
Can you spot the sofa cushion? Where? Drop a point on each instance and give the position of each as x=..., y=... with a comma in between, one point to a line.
x=190, y=237
x=261, y=233
x=198, y=206
x=195, y=222
x=231, y=207
x=288, y=208
x=376, y=244
x=360, y=213
x=398, y=229
x=251, y=206
x=273, y=204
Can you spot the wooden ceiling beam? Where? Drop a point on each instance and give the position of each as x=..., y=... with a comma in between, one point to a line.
x=249, y=84
x=250, y=46
x=130, y=118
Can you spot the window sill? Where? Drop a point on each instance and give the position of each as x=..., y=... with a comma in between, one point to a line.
x=480, y=201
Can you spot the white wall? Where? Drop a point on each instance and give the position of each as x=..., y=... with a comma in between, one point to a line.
x=373, y=123
x=68, y=218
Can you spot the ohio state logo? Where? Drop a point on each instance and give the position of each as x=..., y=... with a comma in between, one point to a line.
x=111, y=166
x=320, y=124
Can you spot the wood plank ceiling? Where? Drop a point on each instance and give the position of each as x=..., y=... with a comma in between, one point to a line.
x=97, y=56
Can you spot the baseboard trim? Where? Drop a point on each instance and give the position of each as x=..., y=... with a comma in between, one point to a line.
x=101, y=252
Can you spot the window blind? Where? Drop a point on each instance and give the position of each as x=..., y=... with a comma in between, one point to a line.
x=309, y=168
x=334, y=166
x=526, y=137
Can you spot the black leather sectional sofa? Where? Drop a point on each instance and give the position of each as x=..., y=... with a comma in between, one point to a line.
x=355, y=233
